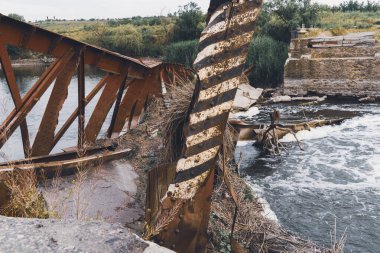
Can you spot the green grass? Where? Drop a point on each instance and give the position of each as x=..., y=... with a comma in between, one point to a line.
x=351, y=21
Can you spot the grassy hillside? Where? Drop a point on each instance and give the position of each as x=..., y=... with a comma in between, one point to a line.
x=340, y=23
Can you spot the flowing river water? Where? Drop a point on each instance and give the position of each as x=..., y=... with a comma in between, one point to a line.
x=336, y=178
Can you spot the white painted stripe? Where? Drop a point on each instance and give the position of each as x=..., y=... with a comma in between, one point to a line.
x=219, y=68
x=218, y=47
x=216, y=14
x=187, y=189
x=212, y=112
x=235, y=21
x=203, y=136
x=198, y=159
x=218, y=89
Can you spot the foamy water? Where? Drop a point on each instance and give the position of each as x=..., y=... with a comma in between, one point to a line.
x=337, y=176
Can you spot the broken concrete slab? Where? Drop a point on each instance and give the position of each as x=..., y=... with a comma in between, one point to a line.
x=246, y=96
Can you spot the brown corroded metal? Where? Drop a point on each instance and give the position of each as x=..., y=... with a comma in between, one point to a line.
x=13, y=88
x=81, y=99
x=129, y=96
x=45, y=135
x=31, y=98
x=103, y=107
x=43, y=41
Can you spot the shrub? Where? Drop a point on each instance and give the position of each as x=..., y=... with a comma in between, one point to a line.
x=268, y=56
x=189, y=23
x=183, y=52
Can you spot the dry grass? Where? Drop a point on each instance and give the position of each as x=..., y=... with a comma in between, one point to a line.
x=174, y=116
x=25, y=200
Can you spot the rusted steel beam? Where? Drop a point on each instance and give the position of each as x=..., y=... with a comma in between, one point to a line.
x=66, y=167
x=45, y=136
x=43, y=41
x=31, y=98
x=137, y=92
x=219, y=64
x=132, y=114
x=74, y=115
x=30, y=92
x=103, y=107
x=15, y=93
x=117, y=106
x=61, y=156
x=27, y=36
x=81, y=99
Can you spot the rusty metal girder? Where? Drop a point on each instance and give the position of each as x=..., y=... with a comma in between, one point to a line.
x=36, y=39
x=81, y=100
x=74, y=115
x=220, y=63
x=31, y=98
x=73, y=55
x=103, y=106
x=139, y=91
x=15, y=92
x=45, y=136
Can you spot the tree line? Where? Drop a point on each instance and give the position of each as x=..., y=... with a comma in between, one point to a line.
x=174, y=38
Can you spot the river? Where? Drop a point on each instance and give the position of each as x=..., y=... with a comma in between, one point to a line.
x=25, y=78
x=336, y=178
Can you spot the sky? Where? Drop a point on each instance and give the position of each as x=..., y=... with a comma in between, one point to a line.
x=75, y=9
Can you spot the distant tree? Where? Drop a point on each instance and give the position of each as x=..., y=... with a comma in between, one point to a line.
x=280, y=17
x=189, y=23
x=17, y=17
x=355, y=5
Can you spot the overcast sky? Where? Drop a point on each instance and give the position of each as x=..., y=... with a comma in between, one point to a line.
x=74, y=9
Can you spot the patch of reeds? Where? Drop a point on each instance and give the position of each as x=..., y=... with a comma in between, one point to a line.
x=173, y=117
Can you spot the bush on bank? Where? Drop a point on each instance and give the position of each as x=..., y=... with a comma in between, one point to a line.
x=183, y=52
